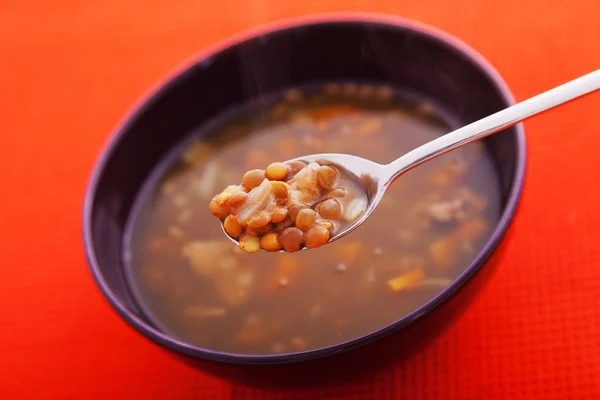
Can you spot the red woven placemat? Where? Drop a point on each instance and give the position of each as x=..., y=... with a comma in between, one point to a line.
x=70, y=69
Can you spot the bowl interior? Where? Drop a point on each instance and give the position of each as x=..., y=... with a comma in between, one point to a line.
x=408, y=59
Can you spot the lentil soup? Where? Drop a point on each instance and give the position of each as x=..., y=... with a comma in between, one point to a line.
x=197, y=286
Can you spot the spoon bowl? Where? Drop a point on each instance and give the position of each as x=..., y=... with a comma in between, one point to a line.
x=368, y=173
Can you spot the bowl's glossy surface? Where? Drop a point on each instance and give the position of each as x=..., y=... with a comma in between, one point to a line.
x=409, y=56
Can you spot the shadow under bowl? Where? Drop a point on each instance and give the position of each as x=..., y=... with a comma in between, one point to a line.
x=349, y=47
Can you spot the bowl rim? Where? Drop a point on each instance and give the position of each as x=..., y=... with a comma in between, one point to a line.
x=144, y=102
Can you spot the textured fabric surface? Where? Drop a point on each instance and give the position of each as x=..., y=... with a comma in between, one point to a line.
x=71, y=69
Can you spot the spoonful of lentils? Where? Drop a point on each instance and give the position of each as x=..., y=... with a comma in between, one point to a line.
x=313, y=200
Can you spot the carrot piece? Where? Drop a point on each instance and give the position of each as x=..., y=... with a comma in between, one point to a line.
x=406, y=281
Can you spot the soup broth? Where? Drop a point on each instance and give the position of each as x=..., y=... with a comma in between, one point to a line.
x=197, y=286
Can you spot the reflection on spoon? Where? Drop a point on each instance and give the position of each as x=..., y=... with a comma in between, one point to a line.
x=298, y=196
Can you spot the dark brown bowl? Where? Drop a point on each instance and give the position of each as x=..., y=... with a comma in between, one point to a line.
x=410, y=56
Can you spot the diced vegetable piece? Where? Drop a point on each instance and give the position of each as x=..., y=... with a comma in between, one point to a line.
x=355, y=209
x=442, y=212
x=260, y=198
x=260, y=219
x=406, y=281
x=202, y=255
x=305, y=184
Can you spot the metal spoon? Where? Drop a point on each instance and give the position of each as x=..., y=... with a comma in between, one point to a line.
x=380, y=177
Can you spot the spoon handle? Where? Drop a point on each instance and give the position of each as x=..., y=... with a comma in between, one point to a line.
x=496, y=122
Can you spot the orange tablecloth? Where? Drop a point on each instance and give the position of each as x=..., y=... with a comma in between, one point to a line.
x=70, y=69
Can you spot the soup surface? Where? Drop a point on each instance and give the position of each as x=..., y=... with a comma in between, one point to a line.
x=197, y=286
